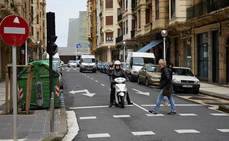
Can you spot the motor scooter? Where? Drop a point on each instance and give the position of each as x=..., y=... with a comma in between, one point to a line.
x=120, y=91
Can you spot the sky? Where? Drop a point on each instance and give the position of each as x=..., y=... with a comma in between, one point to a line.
x=64, y=10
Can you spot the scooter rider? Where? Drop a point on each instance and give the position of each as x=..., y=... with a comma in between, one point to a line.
x=117, y=72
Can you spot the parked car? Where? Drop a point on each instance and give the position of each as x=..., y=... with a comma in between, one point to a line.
x=149, y=75
x=72, y=63
x=184, y=80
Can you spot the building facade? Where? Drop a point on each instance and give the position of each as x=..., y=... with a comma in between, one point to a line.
x=107, y=26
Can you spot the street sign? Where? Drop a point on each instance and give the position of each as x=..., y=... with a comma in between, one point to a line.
x=78, y=45
x=14, y=30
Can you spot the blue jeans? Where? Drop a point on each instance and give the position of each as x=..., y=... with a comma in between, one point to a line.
x=159, y=100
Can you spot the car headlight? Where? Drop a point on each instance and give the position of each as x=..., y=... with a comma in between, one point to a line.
x=176, y=81
x=197, y=82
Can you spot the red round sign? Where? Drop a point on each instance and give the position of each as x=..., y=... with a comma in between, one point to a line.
x=14, y=30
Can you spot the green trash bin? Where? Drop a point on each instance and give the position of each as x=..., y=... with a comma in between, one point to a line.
x=40, y=97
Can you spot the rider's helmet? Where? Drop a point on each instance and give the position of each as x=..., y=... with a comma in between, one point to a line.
x=117, y=64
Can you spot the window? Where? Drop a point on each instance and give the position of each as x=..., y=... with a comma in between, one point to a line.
x=127, y=27
x=126, y=4
x=109, y=20
x=148, y=14
x=157, y=9
x=173, y=8
x=109, y=36
x=109, y=3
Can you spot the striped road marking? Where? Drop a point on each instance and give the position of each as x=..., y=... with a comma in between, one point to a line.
x=187, y=131
x=93, y=107
x=219, y=114
x=90, y=117
x=102, y=84
x=99, y=135
x=223, y=130
x=96, y=81
x=143, y=133
x=187, y=114
x=155, y=115
x=121, y=116
x=177, y=105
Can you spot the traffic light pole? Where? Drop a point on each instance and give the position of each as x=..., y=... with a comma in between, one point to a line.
x=51, y=94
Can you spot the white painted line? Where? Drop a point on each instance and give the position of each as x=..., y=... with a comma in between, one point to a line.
x=187, y=114
x=25, y=139
x=96, y=81
x=219, y=114
x=143, y=133
x=74, y=69
x=90, y=117
x=73, y=127
x=140, y=107
x=155, y=115
x=177, y=105
x=121, y=116
x=99, y=135
x=14, y=30
x=92, y=107
x=223, y=130
x=102, y=85
x=186, y=131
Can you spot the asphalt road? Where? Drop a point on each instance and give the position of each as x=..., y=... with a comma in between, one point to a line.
x=97, y=122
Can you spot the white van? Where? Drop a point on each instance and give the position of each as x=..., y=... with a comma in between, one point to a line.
x=87, y=63
x=135, y=61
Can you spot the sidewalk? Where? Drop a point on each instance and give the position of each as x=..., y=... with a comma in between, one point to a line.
x=33, y=127
x=214, y=90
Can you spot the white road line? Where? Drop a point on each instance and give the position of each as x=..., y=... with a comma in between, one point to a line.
x=187, y=131
x=177, y=105
x=99, y=135
x=155, y=115
x=12, y=139
x=96, y=81
x=219, y=114
x=92, y=107
x=187, y=114
x=143, y=133
x=121, y=116
x=73, y=127
x=140, y=107
x=223, y=130
x=102, y=84
x=90, y=117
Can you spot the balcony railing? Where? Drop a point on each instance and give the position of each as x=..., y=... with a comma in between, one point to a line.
x=205, y=7
x=119, y=39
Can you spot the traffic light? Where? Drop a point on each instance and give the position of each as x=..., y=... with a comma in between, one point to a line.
x=51, y=34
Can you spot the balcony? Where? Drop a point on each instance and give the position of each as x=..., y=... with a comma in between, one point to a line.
x=205, y=7
x=119, y=39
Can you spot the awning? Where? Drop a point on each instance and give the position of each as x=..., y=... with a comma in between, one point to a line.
x=152, y=44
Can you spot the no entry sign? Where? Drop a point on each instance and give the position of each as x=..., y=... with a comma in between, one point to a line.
x=14, y=30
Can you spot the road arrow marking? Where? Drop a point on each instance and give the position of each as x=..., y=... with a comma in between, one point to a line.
x=142, y=93
x=84, y=92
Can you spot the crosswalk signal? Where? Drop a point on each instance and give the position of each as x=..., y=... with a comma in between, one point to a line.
x=51, y=34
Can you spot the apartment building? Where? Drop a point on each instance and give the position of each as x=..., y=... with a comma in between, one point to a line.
x=92, y=24
x=34, y=12
x=107, y=28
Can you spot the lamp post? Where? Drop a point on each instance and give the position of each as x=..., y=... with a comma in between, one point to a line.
x=164, y=34
x=124, y=51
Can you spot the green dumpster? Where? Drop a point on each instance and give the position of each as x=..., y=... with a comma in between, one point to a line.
x=40, y=97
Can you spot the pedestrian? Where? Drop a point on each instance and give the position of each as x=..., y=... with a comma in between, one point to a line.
x=117, y=72
x=166, y=89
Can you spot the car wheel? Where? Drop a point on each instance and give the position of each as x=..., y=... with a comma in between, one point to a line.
x=196, y=91
x=147, y=82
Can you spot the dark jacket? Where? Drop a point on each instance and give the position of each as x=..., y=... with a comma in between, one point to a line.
x=166, y=78
x=119, y=73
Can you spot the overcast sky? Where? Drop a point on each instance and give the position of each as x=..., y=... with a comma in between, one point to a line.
x=64, y=10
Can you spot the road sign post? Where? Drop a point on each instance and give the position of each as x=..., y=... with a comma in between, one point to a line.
x=14, y=31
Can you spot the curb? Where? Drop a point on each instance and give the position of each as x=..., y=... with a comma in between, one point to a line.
x=214, y=95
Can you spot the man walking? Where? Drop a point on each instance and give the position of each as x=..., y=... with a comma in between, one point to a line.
x=166, y=88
